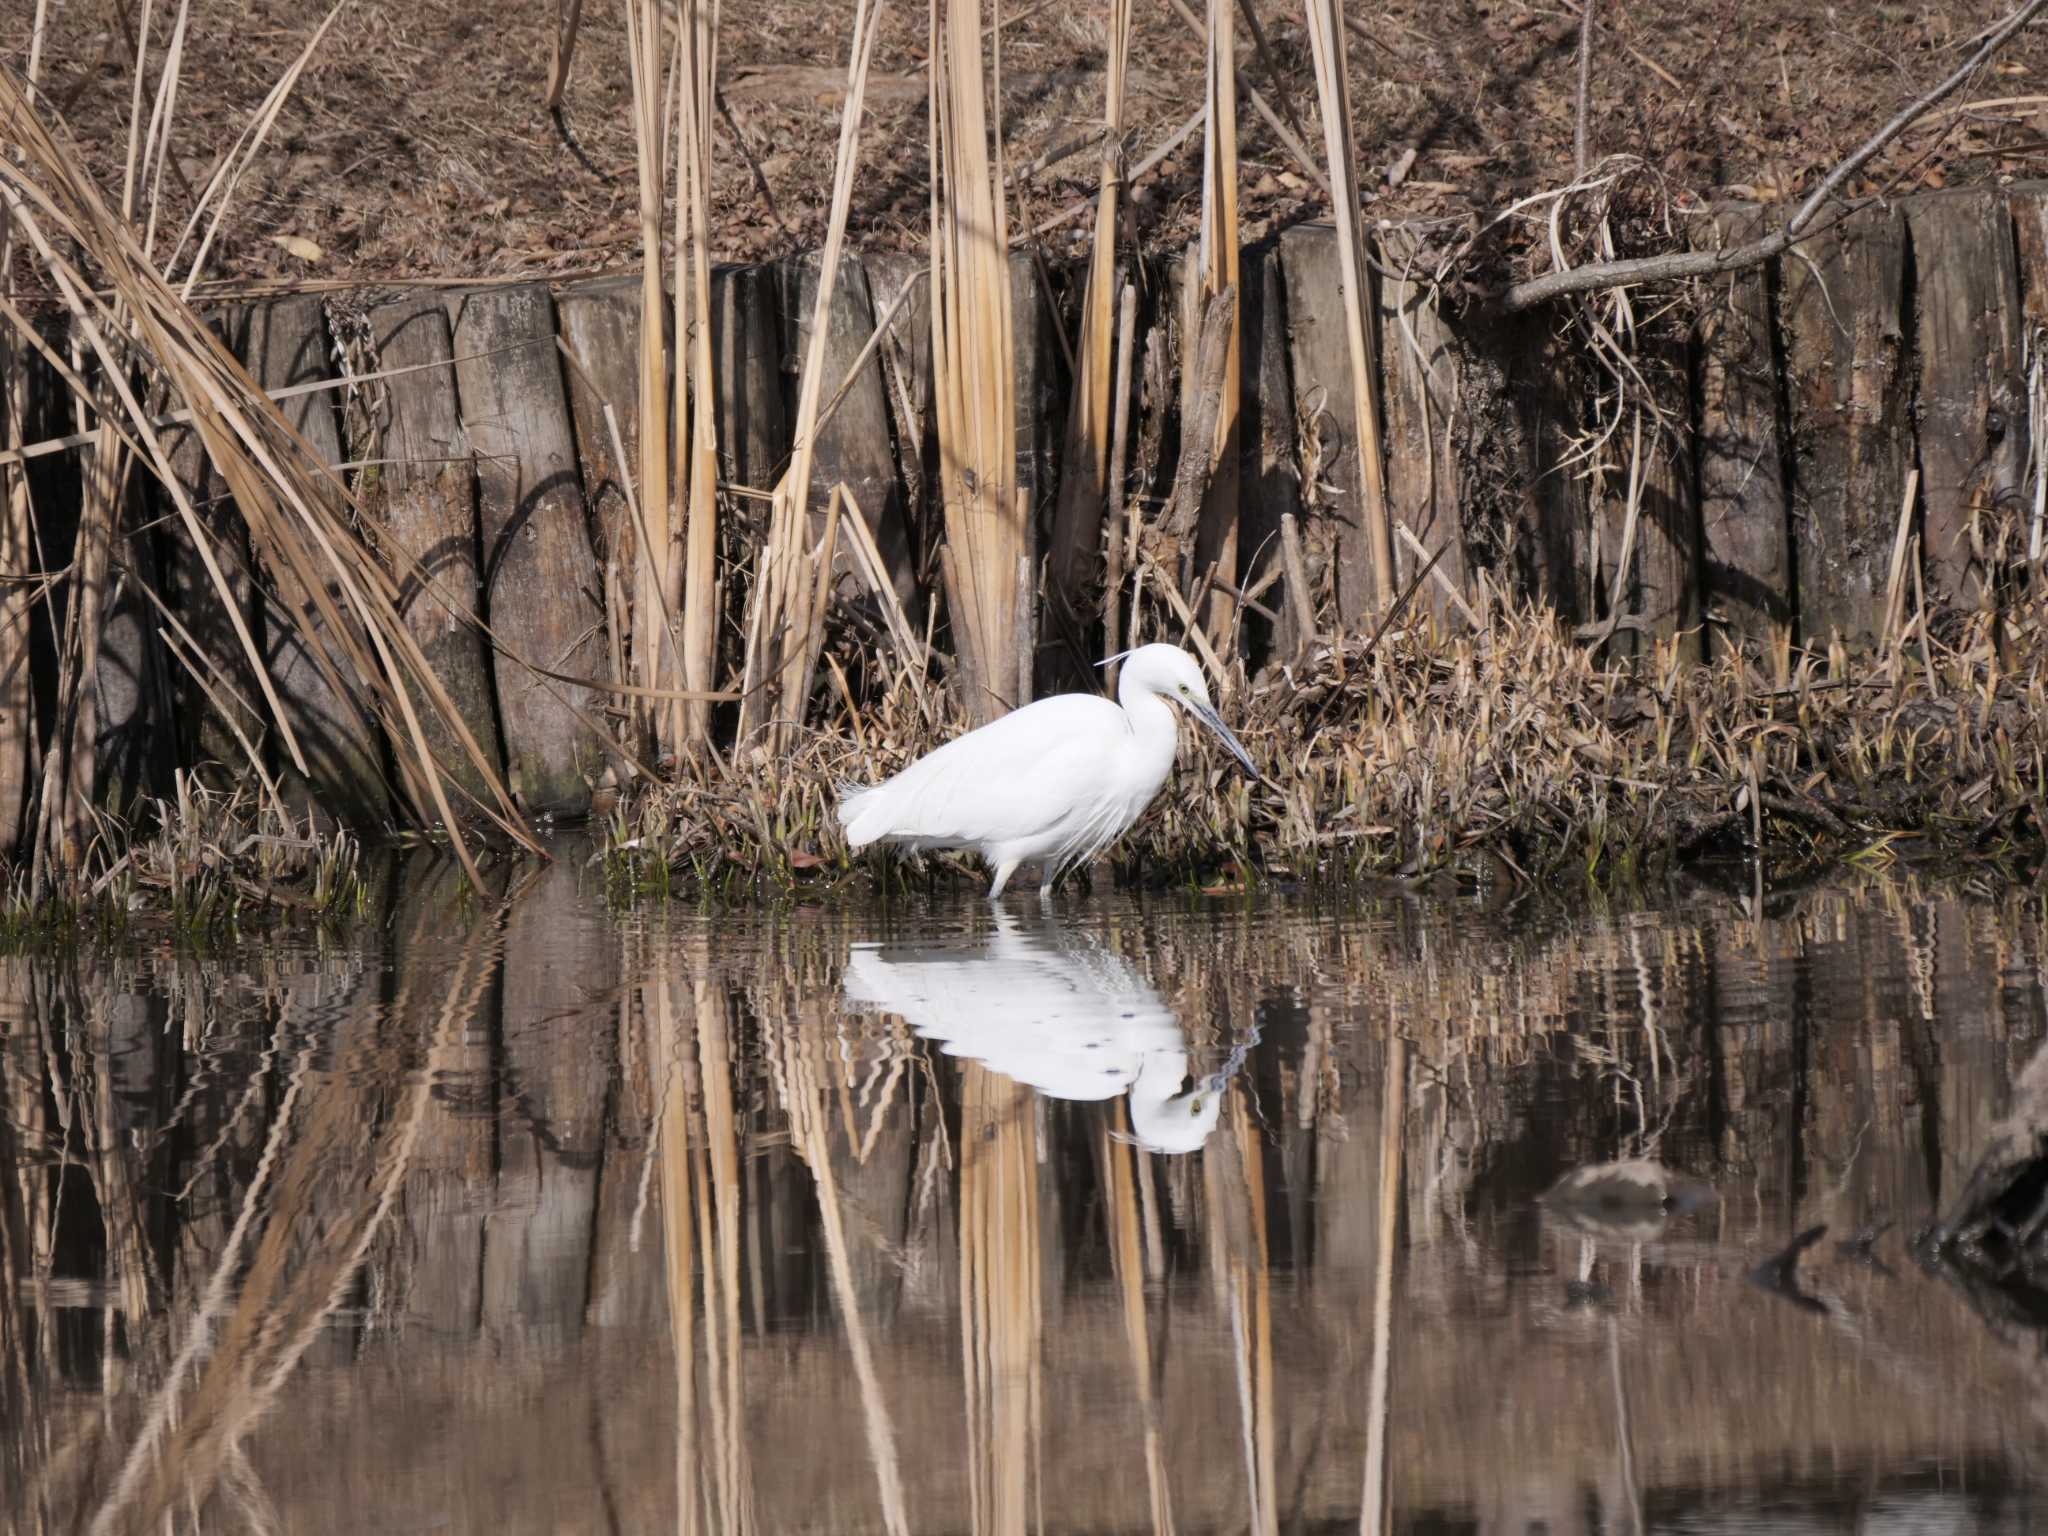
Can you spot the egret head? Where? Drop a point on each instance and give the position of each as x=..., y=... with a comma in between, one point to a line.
x=1174, y=675
x=1165, y=1118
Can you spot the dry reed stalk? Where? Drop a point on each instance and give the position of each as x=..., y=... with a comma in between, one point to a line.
x=719, y=1233
x=1333, y=97
x=974, y=363
x=782, y=597
x=1085, y=458
x=1375, y=1513
x=294, y=508
x=1000, y=1304
x=1215, y=276
x=1127, y=1259
x=697, y=68
x=17, y=533
x=653, y=605
x=670, y=1067
x=801, y=1082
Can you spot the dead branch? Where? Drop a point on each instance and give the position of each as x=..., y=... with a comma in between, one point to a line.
x=1683, y=264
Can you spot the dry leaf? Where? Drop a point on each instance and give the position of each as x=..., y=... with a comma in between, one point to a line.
x=299, y=246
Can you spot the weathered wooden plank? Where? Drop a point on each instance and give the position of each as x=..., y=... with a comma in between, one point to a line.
x=600, y=325
x=746, y=364
x=1321, y=355
x=1549, y=540
x=1269, y=465
x=132, y=741
x=206, y=733
x=907, y=369
x=537, y=565
x=1422, y=368
x=425, y=497
x=1746, y=536
x=1667, y=574
x=1972, y=415
x=854, y=445
x=329, y=716
x=1843, y=291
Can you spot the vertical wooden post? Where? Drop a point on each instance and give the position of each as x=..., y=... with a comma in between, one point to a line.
x=1844, y=360
x=330, y=715
x=1973, y=400
x=746, y=351
x=207, y=734
x=854, y=445
x=1424, y=389
x=1269, y=467
x=537, y=565
x=1318, y=333
x=426, y=499
x=1746, y=535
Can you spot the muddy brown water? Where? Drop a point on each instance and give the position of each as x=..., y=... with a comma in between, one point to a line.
x=1143, y=1214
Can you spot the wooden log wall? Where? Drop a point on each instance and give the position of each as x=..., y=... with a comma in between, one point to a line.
x=1783, y=427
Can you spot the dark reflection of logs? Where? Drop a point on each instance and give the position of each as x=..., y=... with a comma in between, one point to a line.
x=552, y=1216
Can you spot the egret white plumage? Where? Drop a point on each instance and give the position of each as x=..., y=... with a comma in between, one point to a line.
x=1053, y=783
x=1054, y=1009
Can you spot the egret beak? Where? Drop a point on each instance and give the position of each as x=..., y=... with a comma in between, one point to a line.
x=1228, y=737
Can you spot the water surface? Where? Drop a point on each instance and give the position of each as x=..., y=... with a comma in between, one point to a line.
x=1135, y=1215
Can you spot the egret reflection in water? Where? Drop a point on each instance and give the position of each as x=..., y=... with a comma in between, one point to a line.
x=1052, y=1008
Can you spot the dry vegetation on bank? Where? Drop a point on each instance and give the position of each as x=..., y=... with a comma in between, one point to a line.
x=1469, y=727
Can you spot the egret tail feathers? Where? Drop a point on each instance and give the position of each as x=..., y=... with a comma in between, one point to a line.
x=855, y=800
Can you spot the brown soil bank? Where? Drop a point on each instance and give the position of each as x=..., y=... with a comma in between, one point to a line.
x=418, y=144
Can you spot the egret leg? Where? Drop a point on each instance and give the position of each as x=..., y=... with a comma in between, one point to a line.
x=1045, y=886
x=1003, y=872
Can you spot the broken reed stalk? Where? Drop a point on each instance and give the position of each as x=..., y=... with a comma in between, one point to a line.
x=1095, y=413
x=1333, y=98
x=974, y=357
x=1216, y=275
x=781, y=602
x=650, y=585
x=696, y=418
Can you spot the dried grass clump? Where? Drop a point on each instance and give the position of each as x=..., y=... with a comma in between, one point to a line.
x=1513, y=747
x=203, y=860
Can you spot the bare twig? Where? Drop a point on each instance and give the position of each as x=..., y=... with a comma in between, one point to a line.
x=1585, y=89
x=1681, y=264
x=567, y=20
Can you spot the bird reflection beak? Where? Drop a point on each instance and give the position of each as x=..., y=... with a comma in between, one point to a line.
x=1228, y=737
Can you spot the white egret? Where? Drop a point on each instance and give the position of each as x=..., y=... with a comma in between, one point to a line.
x=1053, y=783
x=1052, y=1009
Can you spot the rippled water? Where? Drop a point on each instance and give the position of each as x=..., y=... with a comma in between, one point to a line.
x=1138, y=1215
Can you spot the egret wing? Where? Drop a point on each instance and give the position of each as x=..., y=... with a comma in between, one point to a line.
x=1036, y=768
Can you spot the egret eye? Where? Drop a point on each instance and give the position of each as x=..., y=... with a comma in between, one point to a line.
x=1194, y=1109
x=1183, y=687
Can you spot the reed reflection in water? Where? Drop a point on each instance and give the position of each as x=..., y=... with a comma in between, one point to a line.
x=514, y=1215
